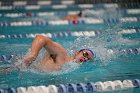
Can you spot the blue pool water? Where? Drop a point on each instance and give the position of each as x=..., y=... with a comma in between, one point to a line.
x=107, y=65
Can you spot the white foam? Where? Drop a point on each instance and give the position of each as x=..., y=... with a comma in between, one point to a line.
x=68, y=67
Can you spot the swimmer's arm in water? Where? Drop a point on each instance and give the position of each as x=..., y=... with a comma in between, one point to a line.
x=41, y=41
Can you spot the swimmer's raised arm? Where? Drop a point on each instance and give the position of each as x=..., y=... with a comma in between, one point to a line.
x=41, y=41
x=38, y=43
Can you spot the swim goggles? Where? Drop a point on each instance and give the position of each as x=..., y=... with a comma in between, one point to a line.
x=87, y=55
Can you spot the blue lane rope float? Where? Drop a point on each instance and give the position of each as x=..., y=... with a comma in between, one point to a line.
x=66, y=22
x=69, y=33
x=91, y=87
x=59, y=13
x=136, y=82
x=81, y=87
x=130, y=31
x=62, y=88
x=8, y=58
x=71, y=88
x=11, y=90
x=133, y=11
x=131, y=51
x=53, y=35
x=74, y=88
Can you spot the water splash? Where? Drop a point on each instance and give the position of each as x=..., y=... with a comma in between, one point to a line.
x=67, y=68
x=18, y=62
x=106, y=45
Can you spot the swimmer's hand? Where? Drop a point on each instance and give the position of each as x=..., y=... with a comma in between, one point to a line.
x=28, y=60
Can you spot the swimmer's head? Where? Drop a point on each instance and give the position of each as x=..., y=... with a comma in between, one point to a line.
x=83, y=55
x=80, y=14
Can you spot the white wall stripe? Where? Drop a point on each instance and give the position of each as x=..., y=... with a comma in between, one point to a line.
x=81, y=33
x=19, y=3
x=129, y=19
x=32, y=7
x=133, y=11
x=127, y=31
x=46, y=14
x=61, y=22
x=59, y=6
x=86, y=33
x=85, y=5
x=6, y=7
x=92, y=33
x=44, y=2
x=28, y=23
x=2, y=36
x=111, y=5
x=13, y=15
x=68, y=2
x=72, y=12
x=93, y=21
x=75, y=34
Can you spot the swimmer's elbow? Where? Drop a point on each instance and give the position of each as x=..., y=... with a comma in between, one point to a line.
x=42, y=39
x=40, y=36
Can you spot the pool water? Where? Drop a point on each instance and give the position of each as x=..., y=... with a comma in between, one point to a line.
x=107, y=65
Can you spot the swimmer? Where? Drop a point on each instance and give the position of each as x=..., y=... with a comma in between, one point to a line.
x=56, y=56
x=74, y=16
x=86, y=13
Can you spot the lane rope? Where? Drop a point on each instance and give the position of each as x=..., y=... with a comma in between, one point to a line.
x=66, y=22
x=69, y=33
x=81, y=87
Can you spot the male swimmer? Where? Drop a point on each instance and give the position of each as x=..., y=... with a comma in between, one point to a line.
x=74, y=16
x=83, y=14
x=56, y=56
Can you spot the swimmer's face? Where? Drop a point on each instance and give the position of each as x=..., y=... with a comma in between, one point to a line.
x=83, y=56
